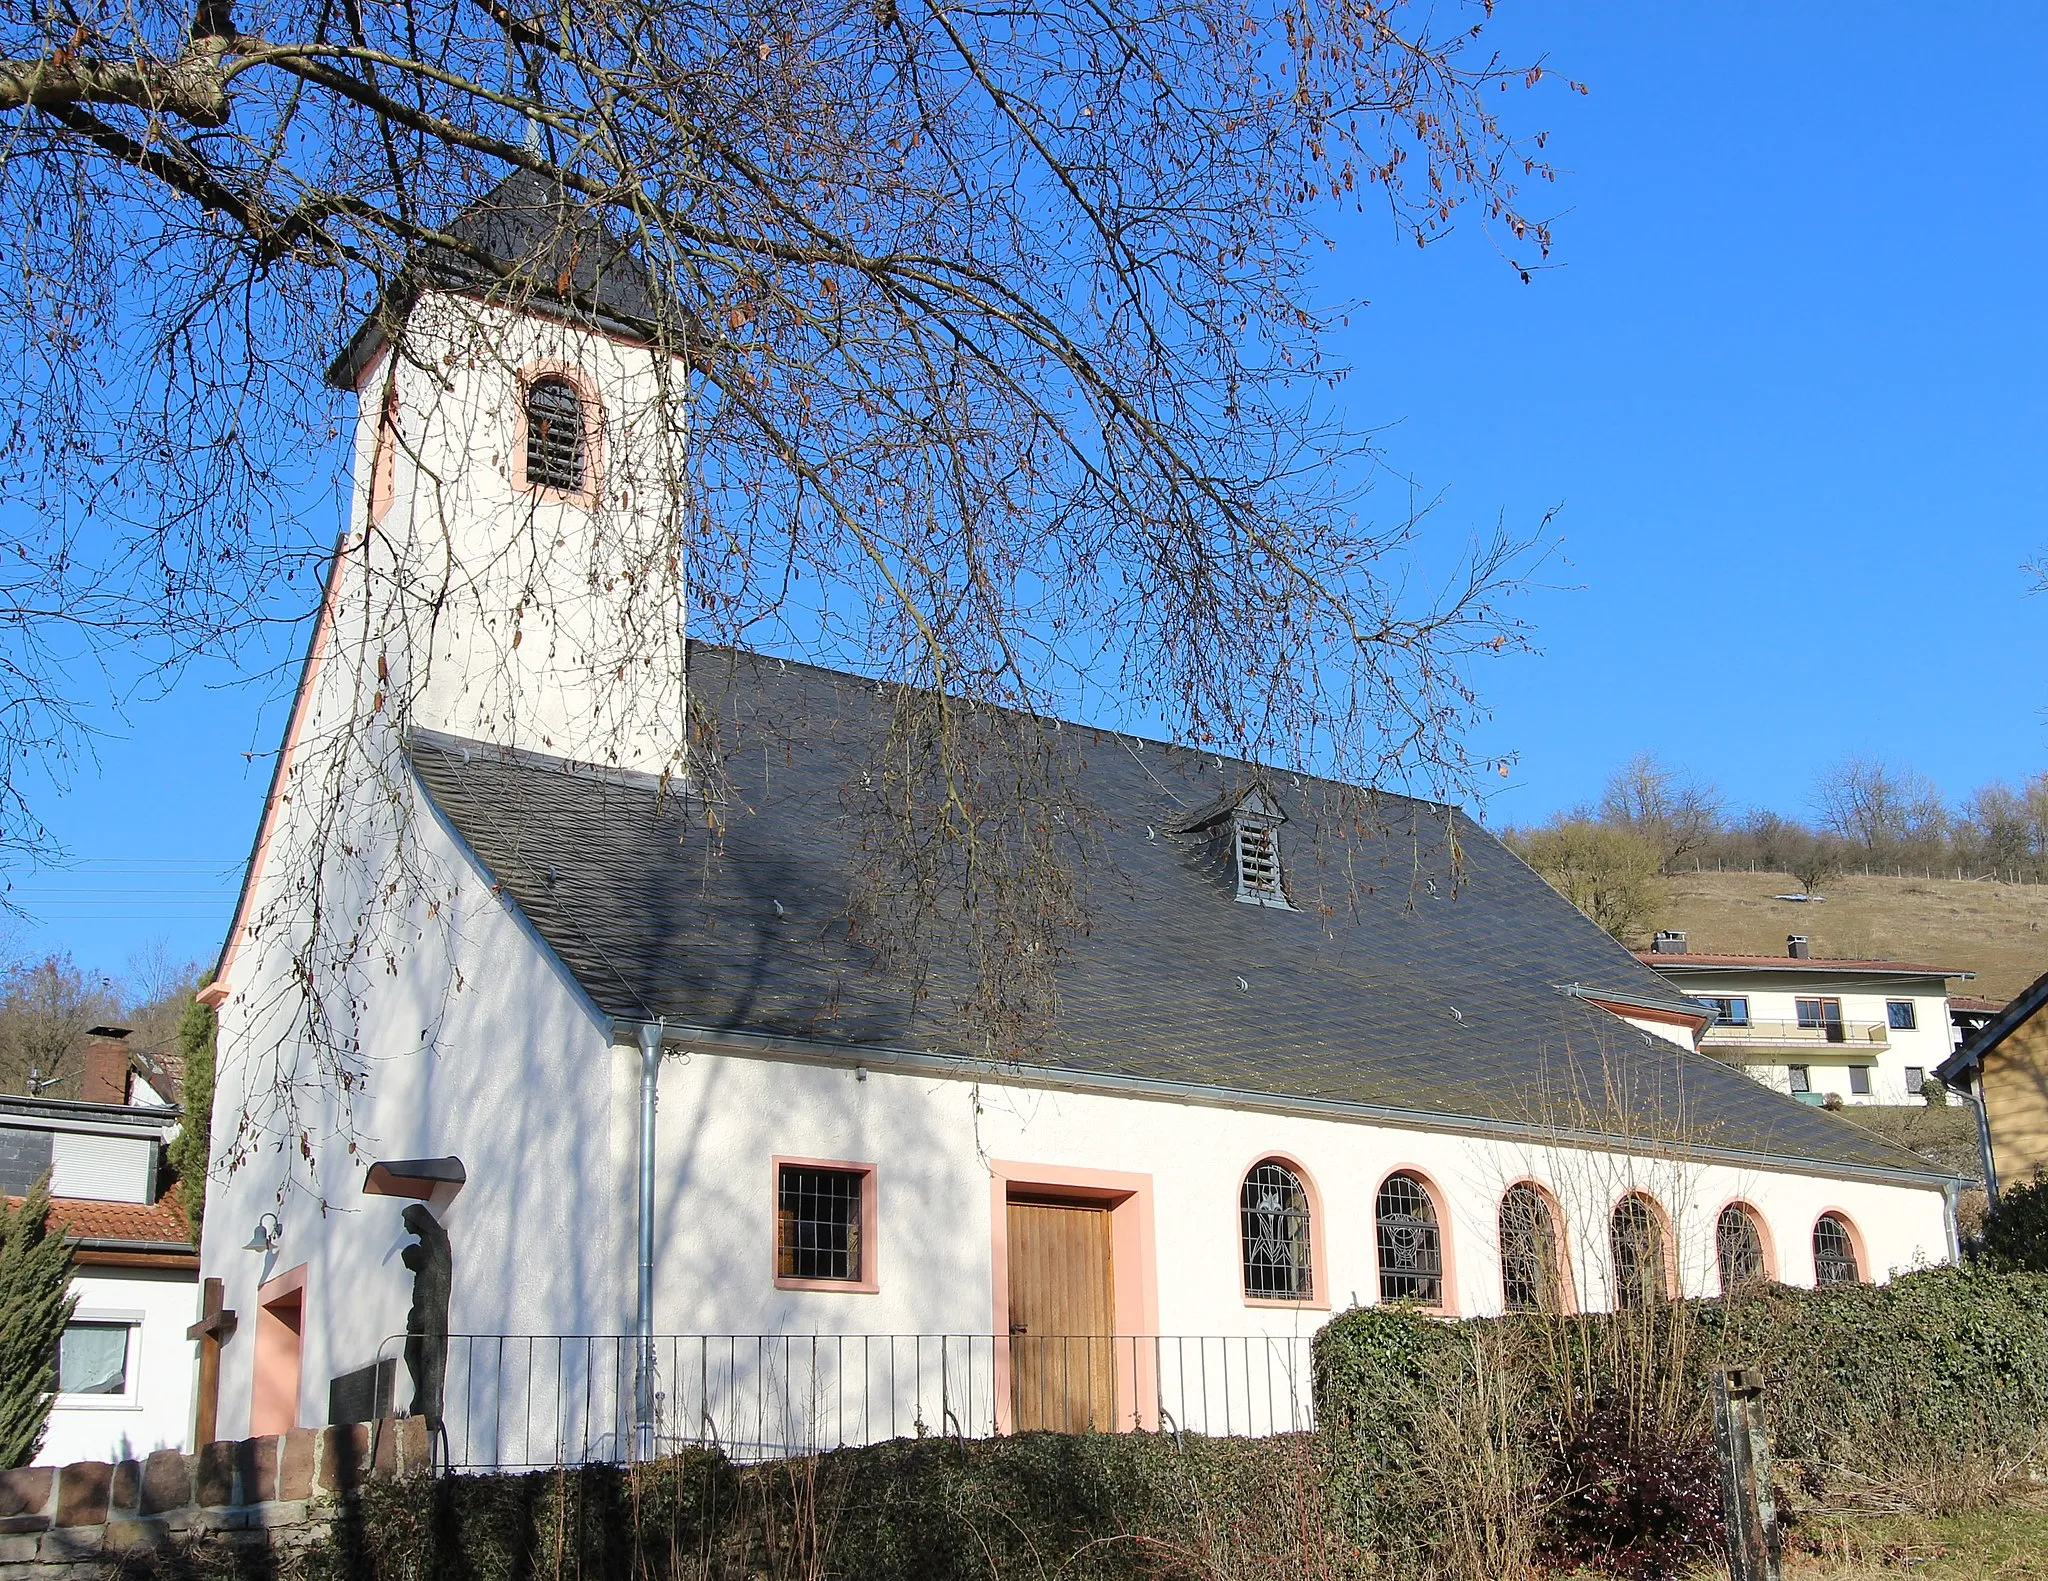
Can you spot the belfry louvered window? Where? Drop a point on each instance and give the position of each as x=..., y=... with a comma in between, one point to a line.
x=1258, y=862
x=557, y=449
x=1274, y=1223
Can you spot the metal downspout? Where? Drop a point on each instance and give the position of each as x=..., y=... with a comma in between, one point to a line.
x=1949, y=1189
x=643, y=1321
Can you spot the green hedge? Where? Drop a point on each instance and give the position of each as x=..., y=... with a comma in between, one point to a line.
x=1933, y=1387
x=1096, y=1507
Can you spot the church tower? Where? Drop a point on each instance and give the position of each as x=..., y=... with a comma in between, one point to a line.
x=512, y=569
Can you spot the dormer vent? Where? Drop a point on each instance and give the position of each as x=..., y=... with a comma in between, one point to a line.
x=1256, y=839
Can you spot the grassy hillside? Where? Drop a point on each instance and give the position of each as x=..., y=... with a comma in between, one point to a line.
x=1998, y=931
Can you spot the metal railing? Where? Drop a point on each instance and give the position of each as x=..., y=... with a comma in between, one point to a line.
x=524, y=1402
x=1848, y=1035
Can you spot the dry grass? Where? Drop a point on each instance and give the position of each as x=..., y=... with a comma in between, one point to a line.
x=1990, y=1545
x=1998, y=931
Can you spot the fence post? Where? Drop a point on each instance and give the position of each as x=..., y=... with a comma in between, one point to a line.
x=1749, y=1513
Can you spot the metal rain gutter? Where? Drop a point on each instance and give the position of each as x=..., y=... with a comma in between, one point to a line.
x=643, y=1320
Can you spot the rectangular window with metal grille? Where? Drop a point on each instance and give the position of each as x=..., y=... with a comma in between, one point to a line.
x=817, y=1223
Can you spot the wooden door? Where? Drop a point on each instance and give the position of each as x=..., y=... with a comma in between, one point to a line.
x=1062, y=1314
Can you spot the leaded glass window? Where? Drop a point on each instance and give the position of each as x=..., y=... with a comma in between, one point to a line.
x=1273, y=1210
x=556, y=447
x=817, y=1231
x=1636, y=1241
x=1528, y=1252
x=1411, y=1245
x=1834, y=1252
x=1738, y=1248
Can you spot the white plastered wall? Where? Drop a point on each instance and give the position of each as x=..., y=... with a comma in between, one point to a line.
x=156, y=1412
x=518, y=618
x=724, y=1119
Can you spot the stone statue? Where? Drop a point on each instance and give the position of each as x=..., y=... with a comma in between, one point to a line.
x=426, y=1325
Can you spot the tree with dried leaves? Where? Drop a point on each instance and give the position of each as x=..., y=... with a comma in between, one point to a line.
x=46, y=1007
x=1890, y=812
x=1673, y=811
x=1609, y=872
x=990, y=336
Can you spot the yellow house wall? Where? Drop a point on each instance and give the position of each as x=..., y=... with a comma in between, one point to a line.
x=2015, y=1083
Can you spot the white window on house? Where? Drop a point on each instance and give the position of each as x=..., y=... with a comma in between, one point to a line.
x=1916, y=1078
x=1801, y=1078
x=1821, y=1015
x=1899, y=1015
x=94, y=1357
x=1728, y=1012
x=557, y=451
x=818, y=1223
x=1859, y=1081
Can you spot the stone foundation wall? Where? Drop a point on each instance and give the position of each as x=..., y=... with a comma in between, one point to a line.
x=279, y=1490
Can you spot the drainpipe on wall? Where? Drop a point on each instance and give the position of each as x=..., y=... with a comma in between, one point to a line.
x=643, y=1323
x=1949, y=1188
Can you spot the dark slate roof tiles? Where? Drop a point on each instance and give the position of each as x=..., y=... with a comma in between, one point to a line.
x=1428, y=984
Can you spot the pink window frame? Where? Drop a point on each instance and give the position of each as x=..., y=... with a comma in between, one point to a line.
x=280, y=1355
x=1447, y=1305
x=1568, y=1286
x=1764, y=1237
x=593, y=434
x=384, y=450
x=1318, y=1250
x=1855, y=1245
x=1667, y=1243
x=870, y=1280
x=1134, y=1273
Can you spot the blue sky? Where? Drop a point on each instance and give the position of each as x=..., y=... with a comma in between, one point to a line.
x=1785, y=383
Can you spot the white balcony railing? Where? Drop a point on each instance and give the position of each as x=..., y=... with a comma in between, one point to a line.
x=1847, y=1035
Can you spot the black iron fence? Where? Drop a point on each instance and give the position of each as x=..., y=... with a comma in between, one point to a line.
x=520, y=1402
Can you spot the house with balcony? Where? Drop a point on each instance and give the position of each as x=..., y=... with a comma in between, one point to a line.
x=1863, y=1031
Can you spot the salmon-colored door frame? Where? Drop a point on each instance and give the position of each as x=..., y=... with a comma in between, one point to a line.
x=280, y=1350
x=1134, y=1271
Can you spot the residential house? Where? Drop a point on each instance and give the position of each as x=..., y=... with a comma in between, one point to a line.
x=1863, y=1031
x=685, y=1130
x=2004, y=1068
x=124, y=1366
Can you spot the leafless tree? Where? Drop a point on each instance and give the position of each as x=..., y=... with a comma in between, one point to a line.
x=1673, y=811
x=45, y=1008
x=1885, y=810
x=1003, y=373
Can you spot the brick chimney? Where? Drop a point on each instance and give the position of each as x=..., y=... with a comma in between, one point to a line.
x=106, y=1065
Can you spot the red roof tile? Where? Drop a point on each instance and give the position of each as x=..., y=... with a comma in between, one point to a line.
x=1797, y=963
x=86, y=1219
x=1980, y=1007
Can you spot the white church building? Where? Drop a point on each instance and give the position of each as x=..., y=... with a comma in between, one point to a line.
x=708, y=1169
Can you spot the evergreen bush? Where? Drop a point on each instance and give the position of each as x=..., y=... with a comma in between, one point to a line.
x=192, y=1150
x=35, y=1304
x=2015, y=1235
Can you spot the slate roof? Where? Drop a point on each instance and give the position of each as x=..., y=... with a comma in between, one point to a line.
x=552, y=253
x=1407, y=979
